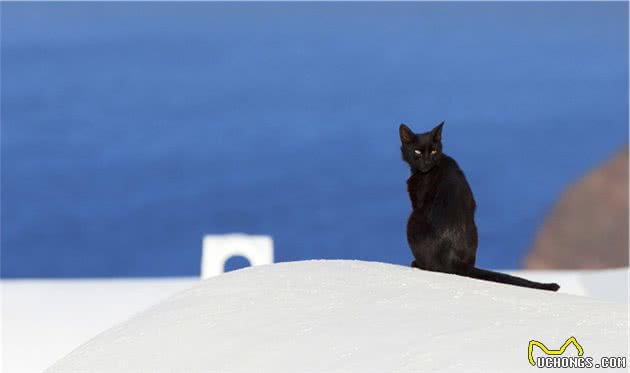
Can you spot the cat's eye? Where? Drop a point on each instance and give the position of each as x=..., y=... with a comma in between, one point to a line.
x=433, y=152
x=418, y=152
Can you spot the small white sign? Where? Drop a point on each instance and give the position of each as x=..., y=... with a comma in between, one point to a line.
x=217, y=249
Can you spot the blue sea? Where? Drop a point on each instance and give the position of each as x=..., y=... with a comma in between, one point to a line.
x=130, y=130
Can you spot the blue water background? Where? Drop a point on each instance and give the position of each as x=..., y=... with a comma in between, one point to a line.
x=130, y=130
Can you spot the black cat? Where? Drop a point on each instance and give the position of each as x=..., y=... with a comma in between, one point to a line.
x=441, y=230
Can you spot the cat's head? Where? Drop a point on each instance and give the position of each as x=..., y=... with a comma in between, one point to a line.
x=422, y=151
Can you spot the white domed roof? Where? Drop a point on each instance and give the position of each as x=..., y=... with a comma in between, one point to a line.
x=349, y=316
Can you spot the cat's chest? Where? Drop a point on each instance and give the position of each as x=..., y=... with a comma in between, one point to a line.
x=422, y=189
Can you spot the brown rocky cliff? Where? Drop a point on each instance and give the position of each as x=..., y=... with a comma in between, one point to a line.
x=588, y=227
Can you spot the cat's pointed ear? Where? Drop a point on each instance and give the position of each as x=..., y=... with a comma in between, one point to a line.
x=406, y=134
x=437, y=132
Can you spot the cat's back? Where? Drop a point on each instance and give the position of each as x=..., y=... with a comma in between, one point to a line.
x=454, y=184
x=449, y=164
x=451, y=171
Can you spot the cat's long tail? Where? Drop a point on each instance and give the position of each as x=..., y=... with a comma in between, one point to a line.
x=484, y=274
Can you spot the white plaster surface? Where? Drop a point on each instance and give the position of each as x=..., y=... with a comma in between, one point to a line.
x=350, y=316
